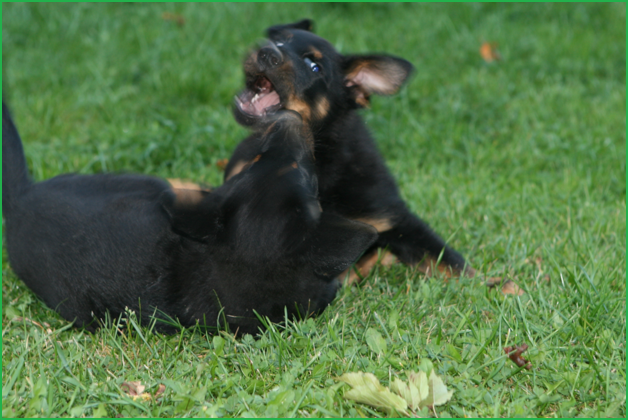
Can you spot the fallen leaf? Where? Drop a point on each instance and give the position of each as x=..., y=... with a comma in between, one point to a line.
x=160, y=390
x=176, y=18
x=222, y=163
x=418, y=392
x=489, y=52
x=511, y=288
x=368, y=390
x=514, y=353
x=415, y=391
x=375, y=341
x=438, y=391
x=133, y=388
x=23, y=319
x=493, y=281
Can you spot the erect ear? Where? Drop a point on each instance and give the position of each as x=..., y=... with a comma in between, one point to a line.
x=304, y=24
x=338, y=242
x=380, y=74
x=199, y=221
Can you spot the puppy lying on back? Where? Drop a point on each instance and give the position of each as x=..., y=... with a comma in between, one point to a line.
x=92, y=244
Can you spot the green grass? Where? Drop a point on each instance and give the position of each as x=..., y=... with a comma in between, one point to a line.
x=521, y=164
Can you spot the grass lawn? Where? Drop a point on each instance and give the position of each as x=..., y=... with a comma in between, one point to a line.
x=519, y=163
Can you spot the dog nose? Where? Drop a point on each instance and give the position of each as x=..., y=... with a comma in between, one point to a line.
x=269, y=57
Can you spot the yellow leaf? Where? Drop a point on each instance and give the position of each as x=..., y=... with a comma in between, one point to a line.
x=438, y=392
x=367, y=390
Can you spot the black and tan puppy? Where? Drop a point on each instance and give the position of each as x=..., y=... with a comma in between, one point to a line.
x=92, y=244
x=297, y=70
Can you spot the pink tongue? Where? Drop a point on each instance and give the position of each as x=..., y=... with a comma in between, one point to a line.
x=265, y=101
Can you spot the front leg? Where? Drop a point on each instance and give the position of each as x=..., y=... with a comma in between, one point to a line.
x=416, y=244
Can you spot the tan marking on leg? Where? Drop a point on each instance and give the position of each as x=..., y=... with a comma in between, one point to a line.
x=240, y=166
x=382, y=225
x=365, y=264
x=287, y=169
x=237, y=168
x=322, y=108
x=269, y=129
x=430, y=265
x=187, y=192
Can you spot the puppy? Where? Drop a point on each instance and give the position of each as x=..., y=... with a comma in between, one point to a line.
x=259, y=245
x=297, y=70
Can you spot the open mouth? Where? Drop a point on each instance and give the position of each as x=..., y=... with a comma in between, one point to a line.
x=259, y=98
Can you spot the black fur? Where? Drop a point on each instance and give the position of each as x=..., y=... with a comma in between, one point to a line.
x=92, y=244
x=354, y=181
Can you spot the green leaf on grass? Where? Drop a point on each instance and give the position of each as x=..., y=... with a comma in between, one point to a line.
x=453, y=352
x=99, y=412
x=375, y=341
x=219, y=345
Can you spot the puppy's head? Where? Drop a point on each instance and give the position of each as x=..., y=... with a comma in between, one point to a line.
x=297, y=70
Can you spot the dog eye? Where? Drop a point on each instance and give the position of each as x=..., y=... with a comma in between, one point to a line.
x=313, y=66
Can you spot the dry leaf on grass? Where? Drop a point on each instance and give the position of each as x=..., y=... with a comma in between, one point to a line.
x=176, y=18
x=222, y=164
x=509, y=287
x=160, y=390
x=514, y=353
x=489, y=52
x=135, y=390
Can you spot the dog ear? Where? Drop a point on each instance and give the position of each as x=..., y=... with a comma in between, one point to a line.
x=338, y=243
x=199, y=221
x=380, y=74
x=304, y=24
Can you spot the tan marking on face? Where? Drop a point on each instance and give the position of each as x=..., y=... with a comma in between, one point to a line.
x=187, y=192
x=322, y=108
x=287, y=67
x=365, y=264
x=300, y=106
x=256, y=158
x=250, y=63
x=381, y=225
x=316, y=53
x=363, y=101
